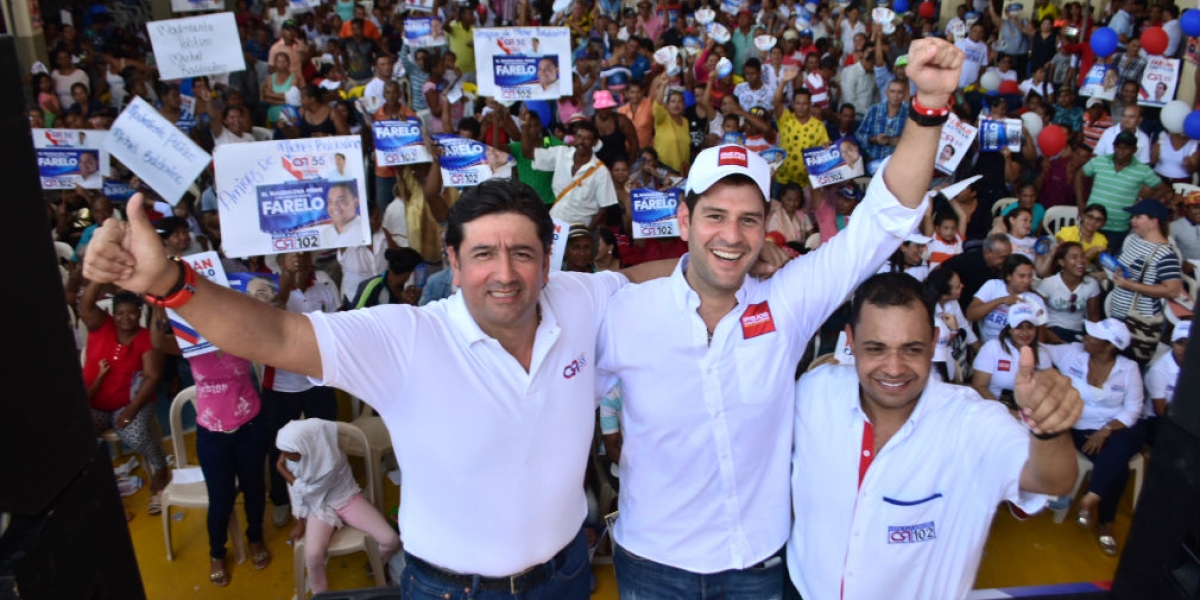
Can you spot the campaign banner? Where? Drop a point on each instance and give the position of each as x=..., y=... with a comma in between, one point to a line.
x=558, y=248
x=70, y=157
x=840, y=161
x=1159, y=81
x=1101, y=81
x=155, y=150
x=183, y=6
x=523, y=63
x=399, y=143
x=654, y=213
x=292, y=195
x=261, y=286
x=956, y=141
x=465, y=162
x=117, y=191
x=996, y=134
x=196, y=46
x=419, y=5
x=191, y=343
x=424, y=32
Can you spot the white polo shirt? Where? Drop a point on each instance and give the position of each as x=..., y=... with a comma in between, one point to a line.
x=1160, y=382
x=916, y=527
x=493, y=456
x=1120, y=398
x=1002, y=364
x=707, y=427
x=1104, y=146
x=320, y=297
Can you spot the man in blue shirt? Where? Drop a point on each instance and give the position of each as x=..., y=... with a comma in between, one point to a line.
x=881, y=128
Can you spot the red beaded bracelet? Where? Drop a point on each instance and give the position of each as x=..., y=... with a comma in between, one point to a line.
x=930, y=112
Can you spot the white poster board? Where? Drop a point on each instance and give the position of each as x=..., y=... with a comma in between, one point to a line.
x=184, y=6
x=956, y=141
x=523, y=63
x=1101, y=81
x=70, y=157
x=196, y=46
x=424, y=32
x=558, y=249
x=292, y=195
x=1160, y=79
x=156, y=151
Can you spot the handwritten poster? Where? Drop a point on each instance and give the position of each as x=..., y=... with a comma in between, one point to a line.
x=196, y=46
x=155, y=150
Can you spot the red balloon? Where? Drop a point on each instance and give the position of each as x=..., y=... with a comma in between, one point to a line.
x=1009, y=86
x=926, y=10
x=1052, y=140
x=1154, y=40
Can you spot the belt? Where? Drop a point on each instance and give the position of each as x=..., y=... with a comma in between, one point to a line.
x=513, y=584
x=769, y=561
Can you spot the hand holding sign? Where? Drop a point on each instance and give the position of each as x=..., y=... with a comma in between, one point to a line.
x=1048, y=401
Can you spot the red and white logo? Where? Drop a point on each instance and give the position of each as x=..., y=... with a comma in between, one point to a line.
x=757, y=320
x=732, y=156
x=1005, y=366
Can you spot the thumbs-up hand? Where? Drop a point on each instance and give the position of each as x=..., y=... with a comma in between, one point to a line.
x=130, y=254
x=1049, y=403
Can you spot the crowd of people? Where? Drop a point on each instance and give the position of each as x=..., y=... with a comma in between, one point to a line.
x=1046, y=338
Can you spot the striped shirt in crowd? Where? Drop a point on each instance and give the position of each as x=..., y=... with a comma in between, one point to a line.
x=1117, y=190
x=1164, y=267
x=1092, y=131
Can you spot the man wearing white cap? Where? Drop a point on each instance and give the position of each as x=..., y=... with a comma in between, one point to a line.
x=707, y=360
x=1161, y=379
x=896, y=476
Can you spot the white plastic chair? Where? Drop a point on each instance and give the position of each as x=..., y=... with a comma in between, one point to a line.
x=191, y=495
x=1057, y=217
x=1184, y=189
x=261, y=134
x=347, y=540
x=813, y=241
x=380, y=441
x=1137, y=465
x=1001, y=204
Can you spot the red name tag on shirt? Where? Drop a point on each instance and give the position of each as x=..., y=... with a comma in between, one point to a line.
x=1004, y=366
x=757, y=320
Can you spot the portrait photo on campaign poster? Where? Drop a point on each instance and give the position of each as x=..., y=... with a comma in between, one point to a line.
x=260, y=286
x=399, y=142
x=424, y=32
x=1101, y=82
x=997, y=134
x=956, y=141
x=466, y=162
x=70, y=157
x=841, y=160
x=291, y=195
x=523, y=63
x=1160, y=78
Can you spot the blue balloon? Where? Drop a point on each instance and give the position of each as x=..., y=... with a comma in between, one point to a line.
x=1190, y=22
x=900, y=6
x=1191, y=125
x=1104, y=42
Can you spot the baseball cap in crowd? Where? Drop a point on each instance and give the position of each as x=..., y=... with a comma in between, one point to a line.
x=1095, y=101
x=1192, y=198
x=791, y=35
x=850, y=190
x=1183, y=331
x=759, y=111
x=716, y=163
x=1151, y=208
x=603, y=99
x=1109, y=330
x=902, y=60
x=917, y=237
x=578, y=230
x=1125, y=138
x=289, y=24
x=1026, y=312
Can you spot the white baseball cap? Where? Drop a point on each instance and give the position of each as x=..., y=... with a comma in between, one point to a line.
x=1026, y=312
x=917, y=237
x=1183, y=330
x=716, y=163
x=1109, y=330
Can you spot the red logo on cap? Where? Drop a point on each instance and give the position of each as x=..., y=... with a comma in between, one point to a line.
x=732, y=156
x=757, y=320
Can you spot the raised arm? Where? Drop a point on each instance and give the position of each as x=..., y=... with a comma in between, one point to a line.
x=92, y=316
x=130, y=254
x=1050, y=405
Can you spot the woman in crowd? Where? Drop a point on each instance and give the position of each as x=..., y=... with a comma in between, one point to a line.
x=953, y=328
x=1107, y=432
x=996, y=364
x=318, y=118
x=47, y=100
x=1044, y=45
x=672, y=139
x=909, y=257
x=171, y=108
x=65, y=76
x=122, y=371
x=787, y=217
x=1070, y=294
x=1154, y=273
x=835, y=205
x=85, y=106
x=1175, y=157
x=231, y=444
x=1018, y=224
x=1087, y=232
x=608, y=256
x=1161, y=379
x=277, y=85
x=993, y=301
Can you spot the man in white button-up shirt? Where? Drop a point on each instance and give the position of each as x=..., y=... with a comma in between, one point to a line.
x=488, y=394
x=896, y=476
x=707, y=360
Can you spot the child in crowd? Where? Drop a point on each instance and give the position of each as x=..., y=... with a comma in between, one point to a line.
x=947, y=241
x=1019, y=225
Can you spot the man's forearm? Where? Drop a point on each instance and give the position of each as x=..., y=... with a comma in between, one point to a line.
x=1051, y=467
x=911, y=167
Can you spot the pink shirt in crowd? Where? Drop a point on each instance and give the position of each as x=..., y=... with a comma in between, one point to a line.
x=225, y=395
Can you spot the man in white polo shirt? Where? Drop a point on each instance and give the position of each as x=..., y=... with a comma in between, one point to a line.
x=489, y=394
x=707, y=359
x=896, y=476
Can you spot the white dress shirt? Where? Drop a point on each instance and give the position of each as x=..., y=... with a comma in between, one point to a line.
x=493, y=456
x=1120, y=398
x=584, y=200
x=707, y=426
x=995, y=322
x=360, y=263
x=916, y=528
x=1104, y=146
x=1002, y=362
x=1160, y=382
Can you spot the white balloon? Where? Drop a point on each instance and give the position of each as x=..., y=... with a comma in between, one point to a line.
x=1173, y=114
x=1033, y=123
x=990, y=81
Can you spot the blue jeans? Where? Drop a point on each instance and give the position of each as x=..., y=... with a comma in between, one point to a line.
x=569, y=580
x=1110, y=467
x=283, y=407
x=233, y=461
x=643, y=579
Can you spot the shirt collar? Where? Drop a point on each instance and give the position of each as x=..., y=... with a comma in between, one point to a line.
x=471, y=333
x=685, y=297
x=935, y=394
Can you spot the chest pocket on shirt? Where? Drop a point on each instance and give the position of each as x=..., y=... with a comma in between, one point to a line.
x=758, y=360
x=912, y=522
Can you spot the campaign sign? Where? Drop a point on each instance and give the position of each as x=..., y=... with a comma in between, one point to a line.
x=1159, y=80
x=654, y=213
x=183, y=6
x=263, y=286
x=399, y=143
x=291, y=195
x=70, y=157
x=731, y=6
x=117, y=191
x=464, y=162
x=956, y=141
x=424, y=32
x=995, y=134
x=191, y=343
x=840, y=161
x=419, y=5
x=558, y=248
x=156, y=151
x=1101, y=81
x=196, y=46
x=523, y=63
